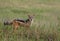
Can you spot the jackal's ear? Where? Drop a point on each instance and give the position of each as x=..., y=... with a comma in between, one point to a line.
x=31, y=15
x=28, y=15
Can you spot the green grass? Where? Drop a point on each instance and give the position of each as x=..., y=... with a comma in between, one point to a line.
x=46, y=23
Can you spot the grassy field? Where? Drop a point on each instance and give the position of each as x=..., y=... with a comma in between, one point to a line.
x=46, y=25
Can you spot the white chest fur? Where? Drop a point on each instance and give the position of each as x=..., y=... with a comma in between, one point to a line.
x=32, y=22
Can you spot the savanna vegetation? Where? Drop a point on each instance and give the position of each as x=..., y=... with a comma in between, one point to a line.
x=46, y=25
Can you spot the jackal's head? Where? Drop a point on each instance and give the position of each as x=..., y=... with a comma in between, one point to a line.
x=30, y=17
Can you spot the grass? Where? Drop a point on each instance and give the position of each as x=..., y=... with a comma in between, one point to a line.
x=46, y=25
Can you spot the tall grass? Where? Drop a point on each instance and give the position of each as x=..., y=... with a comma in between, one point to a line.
x=46, y=25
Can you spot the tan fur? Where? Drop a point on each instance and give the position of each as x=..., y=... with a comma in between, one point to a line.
x=16, y=24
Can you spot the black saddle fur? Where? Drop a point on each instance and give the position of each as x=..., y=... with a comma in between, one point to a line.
x=24, y=21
